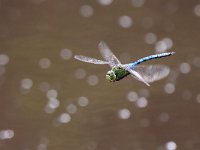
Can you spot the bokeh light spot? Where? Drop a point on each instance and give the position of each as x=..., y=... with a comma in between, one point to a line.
x=86, y=11
x=124, y=113
x=83, y=101
x=52, y=93
x=164, y=117
x=132, y=96
x=198, y=98
x=65, y=118
x=65, y=54
x=150, y=38
x=196, y=61
x=125, y=21
x=163, y=45
x=26, y=83
x=137, y=3
x=42, y=146
x=71, y=108
x=4, y=59
x=197, y=10
x=80, y=73
x=171, y=145
x=142, y=102
x=53, y=103
x=92, y=80
x=169, y=88
x=44, y=63
x=6, y=134
x=105, y=2
x=184, y=68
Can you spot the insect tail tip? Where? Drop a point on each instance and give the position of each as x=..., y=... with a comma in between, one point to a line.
x=172, y=53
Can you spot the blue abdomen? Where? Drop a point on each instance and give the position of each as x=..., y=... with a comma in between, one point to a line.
x=132, y=65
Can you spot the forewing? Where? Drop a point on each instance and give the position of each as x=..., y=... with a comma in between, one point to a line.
x=90, y=60
x=108, y=55
x=151, y=73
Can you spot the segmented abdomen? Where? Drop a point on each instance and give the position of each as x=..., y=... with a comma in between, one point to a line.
x=131, y=65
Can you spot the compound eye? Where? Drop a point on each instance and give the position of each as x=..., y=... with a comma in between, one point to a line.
x=109, y=73
x=110, y=76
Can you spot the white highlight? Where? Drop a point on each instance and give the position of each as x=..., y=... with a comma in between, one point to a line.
x=86, y=11
x=137, y=3
x=26, y=83
x=164, y=117
x=142, y=102
x=65, y=118
x=169, y=88
x=93, y=80
x=125, y=21
x=132, y=96
x=150, y=38
x=184, y=68
x=6, y=134
x=65, y=54
x=53, y=103
x=171, y=145
x=52, y=93
x=80, y=73
x=4, y=59
x=42, y=146
x=124, y=113
x=196, y=61
x=197, y=10
x=198, y=98
x=105, y=2
x=163, y=45
x=71, y=108
x=44, y=63
x=83, y=101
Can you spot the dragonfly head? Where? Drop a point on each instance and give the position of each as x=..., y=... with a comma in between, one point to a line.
x=110, y=76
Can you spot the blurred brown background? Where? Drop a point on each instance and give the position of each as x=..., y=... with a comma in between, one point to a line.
x=50, y=101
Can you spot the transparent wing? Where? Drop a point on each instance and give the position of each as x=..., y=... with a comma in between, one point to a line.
x=90, y=60
x=137, y=76
x=151, y=73
x=108, y=55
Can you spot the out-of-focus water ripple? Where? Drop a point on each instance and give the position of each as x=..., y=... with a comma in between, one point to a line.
x=50, y=101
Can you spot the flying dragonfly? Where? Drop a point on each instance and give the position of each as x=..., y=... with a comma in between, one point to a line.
x=143, y=73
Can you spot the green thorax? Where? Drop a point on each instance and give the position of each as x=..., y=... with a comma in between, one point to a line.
x=120, y=73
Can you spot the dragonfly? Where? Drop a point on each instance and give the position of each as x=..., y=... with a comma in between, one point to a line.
x=143, y=73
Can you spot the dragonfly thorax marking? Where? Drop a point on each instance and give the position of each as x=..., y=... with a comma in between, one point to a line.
x=116, y=74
